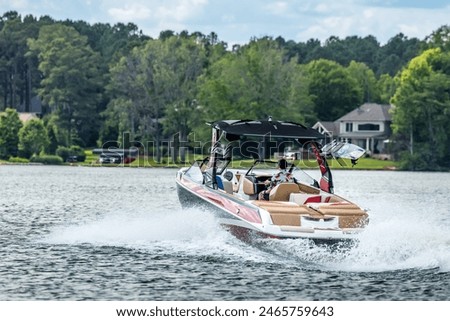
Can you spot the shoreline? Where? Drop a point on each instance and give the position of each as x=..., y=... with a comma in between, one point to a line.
x=178, y=166
x=147, y=162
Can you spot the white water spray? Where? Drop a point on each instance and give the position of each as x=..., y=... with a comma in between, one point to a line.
x=182, y=232
x=388, y=244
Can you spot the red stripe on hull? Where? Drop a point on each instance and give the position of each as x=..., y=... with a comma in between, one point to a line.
x=227, y=203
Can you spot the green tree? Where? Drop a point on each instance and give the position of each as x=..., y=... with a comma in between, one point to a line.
x=352, y=48
x=421, y=119
x=52, y=139
x=255, y=82
x=121, y=114
x=366, y=80
x=140, y=84
x=335, y=92
x=386, y=85
x=18, y=74
x=10, y=125
x=439, y=38
x=307, y=52
x=71, y=83
x=182, y=113
x=33, y=138
x=156, y=80
x=394, y=55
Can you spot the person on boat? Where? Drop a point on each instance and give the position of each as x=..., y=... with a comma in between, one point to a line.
x=283, y=176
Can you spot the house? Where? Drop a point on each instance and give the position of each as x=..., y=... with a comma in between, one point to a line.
x=24, y=117
x=368, y=126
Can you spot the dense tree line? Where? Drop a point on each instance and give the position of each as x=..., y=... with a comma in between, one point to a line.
x=97, y=82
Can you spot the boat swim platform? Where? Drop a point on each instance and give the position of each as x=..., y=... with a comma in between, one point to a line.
x=289, y=213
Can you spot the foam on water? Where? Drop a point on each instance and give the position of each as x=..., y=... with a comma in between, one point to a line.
x=182, y=232
x=388, y=244
x=400, y=244
x=403, y=233
x=394, y=244
x=119, y=229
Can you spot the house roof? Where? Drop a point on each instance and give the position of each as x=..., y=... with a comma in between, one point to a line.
x=329, y=126
x=368, y=112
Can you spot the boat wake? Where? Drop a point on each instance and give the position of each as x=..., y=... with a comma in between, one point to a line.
x=387, y=246
x=384, y=246
x=181, y=232
x=396, y=244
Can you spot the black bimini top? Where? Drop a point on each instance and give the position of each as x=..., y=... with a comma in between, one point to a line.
x=266, y=128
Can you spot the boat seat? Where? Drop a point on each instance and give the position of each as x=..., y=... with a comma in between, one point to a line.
x=308, y=189
x=227, y=186
x=237, y=182
x=248, y=187
x=282, y=191
x=224, y=184
x=219, y=182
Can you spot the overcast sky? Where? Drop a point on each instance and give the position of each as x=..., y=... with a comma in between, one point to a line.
x=236, y=21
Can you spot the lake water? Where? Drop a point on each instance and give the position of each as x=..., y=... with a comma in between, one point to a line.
x=81, y=233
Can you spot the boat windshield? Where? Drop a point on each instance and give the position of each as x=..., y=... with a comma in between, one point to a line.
x=221, y=165
x=268, y=168
x=195, y=172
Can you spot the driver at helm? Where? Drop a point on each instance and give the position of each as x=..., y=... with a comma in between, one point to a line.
x=283, y=176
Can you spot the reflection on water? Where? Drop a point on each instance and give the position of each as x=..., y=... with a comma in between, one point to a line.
x=119, y=233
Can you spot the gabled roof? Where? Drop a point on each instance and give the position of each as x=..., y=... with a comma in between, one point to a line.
x=329, y=126
x=368, y=112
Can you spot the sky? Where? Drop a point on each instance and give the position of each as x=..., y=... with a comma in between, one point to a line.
x=237, y=21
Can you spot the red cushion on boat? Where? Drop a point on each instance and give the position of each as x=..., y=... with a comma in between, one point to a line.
x=314, y=199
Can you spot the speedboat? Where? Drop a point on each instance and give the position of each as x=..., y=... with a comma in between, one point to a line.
x=243, y=156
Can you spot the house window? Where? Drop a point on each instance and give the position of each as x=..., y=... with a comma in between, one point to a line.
x=369, y=127
x=349, y=127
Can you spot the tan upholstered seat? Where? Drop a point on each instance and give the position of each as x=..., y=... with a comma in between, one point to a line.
x=228, y=186
x=282, y=191
x=248, y=187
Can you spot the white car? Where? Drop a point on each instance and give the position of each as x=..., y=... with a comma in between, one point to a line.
x=290, y=155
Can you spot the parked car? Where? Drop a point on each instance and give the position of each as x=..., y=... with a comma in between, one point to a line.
x=291, y=155
x=110, y=158
x=72, y=159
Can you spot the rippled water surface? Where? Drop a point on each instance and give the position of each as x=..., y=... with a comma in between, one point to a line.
x=80, y=233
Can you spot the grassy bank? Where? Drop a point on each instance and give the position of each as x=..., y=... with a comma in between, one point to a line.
x=143, y=161
x=149, y=162
x=368, y=164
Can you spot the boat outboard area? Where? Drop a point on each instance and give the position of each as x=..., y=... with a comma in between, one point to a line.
x=239, y=182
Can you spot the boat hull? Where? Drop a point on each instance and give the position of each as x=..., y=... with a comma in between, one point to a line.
x=219, y=205
x=247, y=221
